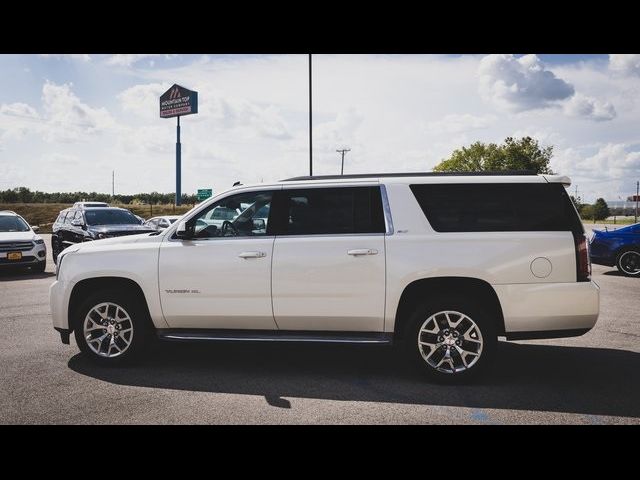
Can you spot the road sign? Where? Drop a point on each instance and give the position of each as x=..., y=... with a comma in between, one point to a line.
x=204, y=193
x=178, y=101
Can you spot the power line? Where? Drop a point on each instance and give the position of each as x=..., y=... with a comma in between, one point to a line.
x=343, y=151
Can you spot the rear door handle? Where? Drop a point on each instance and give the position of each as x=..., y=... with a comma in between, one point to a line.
x=252, y=255
x=363, y=251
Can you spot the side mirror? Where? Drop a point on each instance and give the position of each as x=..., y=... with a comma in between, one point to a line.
x=183, y=231
x=35, y=229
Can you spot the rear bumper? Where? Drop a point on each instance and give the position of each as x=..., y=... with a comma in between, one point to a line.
x=606, y=261
x=549, y=310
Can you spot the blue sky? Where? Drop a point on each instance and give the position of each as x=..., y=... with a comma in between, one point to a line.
x=66, y=121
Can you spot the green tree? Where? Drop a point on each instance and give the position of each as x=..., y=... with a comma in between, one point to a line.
x=522, y=154
x=600, y=209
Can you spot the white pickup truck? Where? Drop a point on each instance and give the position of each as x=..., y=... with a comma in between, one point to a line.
x=440, y=265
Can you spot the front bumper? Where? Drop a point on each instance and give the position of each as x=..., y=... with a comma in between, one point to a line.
x=59, y=301
x=34, y=256
x=545, y=310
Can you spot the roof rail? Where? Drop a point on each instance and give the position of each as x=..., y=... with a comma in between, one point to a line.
x=413, y=174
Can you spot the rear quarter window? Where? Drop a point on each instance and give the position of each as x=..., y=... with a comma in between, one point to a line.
x=497, y=207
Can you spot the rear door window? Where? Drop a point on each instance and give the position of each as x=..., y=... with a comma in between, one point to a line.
x=330, y=211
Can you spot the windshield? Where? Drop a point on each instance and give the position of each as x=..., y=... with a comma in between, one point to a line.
x=13, y=224
x=110, y=217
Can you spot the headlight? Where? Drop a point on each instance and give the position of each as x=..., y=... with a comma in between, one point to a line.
x=39, y=241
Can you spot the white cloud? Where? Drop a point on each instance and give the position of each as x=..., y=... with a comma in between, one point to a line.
x=19, y=109
x=67, y=117
x=588, y=107
x=519, y=84
x=625, y=63
x=143, y=100
x=128, y=59
x=610, y=162
x=460, y=123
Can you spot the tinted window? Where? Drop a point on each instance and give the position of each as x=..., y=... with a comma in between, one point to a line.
x=9, y=223
x=339, y=210
x=110, y=217
x=497, y=207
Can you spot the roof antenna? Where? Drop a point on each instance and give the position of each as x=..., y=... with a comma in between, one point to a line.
x=236, y=184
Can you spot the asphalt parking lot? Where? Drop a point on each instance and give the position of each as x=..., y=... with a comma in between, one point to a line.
x=591, y=379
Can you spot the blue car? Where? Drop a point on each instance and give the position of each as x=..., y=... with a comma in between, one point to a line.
x=620, y=248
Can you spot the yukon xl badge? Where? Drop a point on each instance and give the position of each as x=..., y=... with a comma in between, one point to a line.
x=182, y=291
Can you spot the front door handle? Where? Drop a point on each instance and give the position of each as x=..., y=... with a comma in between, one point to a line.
x=252, y=255
x=363, y=251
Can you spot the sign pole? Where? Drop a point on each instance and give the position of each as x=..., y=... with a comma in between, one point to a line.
x=178, y=164
x=176, y=102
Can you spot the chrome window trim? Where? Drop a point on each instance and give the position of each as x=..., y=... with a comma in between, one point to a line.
x=388, y=220
x=264, y=237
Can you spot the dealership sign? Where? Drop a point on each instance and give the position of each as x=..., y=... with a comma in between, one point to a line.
x=178, y=101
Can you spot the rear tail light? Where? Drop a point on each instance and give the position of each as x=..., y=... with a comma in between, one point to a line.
x=583, y=264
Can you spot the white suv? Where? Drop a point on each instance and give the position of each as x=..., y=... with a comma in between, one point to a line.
x=440, y=265
x=20, y=246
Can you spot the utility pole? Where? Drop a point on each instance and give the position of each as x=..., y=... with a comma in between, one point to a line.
x=343, y=151
x=310, y=124
x=113, y=184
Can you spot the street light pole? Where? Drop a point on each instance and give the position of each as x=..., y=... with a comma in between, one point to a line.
x=310, y=124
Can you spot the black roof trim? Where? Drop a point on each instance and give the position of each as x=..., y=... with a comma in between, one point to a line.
x=413, y=174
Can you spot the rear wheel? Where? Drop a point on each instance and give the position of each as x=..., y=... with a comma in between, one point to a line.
x=451, y=340
x=628, y=263
x=112, y=327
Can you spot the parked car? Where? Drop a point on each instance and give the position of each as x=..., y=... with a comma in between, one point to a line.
x=160, y=223
x=77, y=225
x=20, y=245
x=619, y=248
x=440, y=265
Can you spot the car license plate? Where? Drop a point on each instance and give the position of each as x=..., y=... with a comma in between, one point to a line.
x=14, y=256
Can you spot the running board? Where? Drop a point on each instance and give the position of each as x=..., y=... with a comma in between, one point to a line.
x=195, y=335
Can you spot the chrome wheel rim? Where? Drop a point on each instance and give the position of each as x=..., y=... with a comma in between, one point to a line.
x=630, y=263
x=108, y=330
x=450, y=341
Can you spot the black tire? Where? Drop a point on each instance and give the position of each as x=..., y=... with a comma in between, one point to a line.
x=622, y=257
x=139, y=319
x=486, y=325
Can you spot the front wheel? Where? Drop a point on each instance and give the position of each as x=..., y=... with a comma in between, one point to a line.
x=628, y=263
x=450, y=340
x=112, y=327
